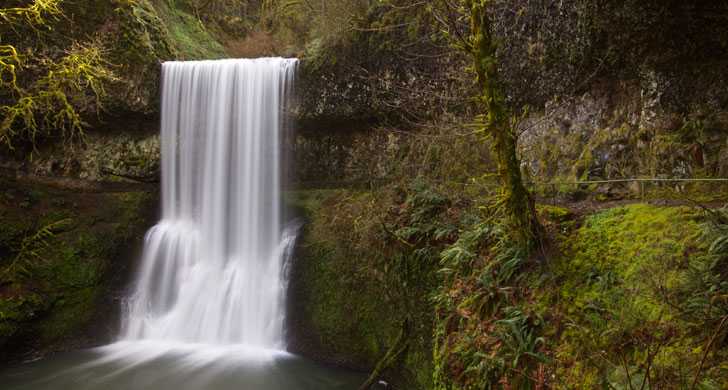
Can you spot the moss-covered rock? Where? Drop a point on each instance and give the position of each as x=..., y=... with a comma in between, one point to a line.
x=619, y=308
x=350, y=295
x=623, y=294
x=340, y=303
x=149, y=32
x=608, y=133
x=64, y=256
x=104, y=157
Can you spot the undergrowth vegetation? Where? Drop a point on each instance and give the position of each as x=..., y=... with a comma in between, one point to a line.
x=421, y=276
x=627, y=301
x=483, y=337
x=632, y=297
x=63, y=64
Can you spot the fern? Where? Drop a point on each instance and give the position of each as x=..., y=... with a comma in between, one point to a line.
x=706, y=285
x=479, y=342
x=32, y=246
x=519, y=338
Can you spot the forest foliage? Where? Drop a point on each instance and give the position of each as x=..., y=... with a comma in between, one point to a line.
x=43, y=94
x=449, y=260
x=584, y=317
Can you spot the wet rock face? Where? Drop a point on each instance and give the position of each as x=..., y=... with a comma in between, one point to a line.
x=121, y=146
x=621, y=132
x=126, y=157
x=559, y=48
x=65, y=259
x=614, y=100
x=328, y=96
x=113, y=157
x=343, y=157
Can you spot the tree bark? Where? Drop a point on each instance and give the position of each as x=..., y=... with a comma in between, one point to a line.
x=498, y=124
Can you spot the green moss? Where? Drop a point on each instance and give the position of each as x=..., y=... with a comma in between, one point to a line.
x=332, y=315
x=164, y=29
x=701, y=192
x=628, y=240
x=69, y=313
x=65, y=273
x=188, y=35
x=335, y=284
x=554, y=213
x=352, y=282
x=131, y=210
x=617, y=294
x=308, y=203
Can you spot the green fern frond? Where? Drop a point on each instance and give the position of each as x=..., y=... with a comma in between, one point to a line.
x=31, y=246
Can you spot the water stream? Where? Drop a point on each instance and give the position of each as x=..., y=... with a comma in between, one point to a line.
x=207, y=308
x=144, y=365
x=212, y=268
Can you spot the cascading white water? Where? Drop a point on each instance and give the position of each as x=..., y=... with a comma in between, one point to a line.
x=212, y=269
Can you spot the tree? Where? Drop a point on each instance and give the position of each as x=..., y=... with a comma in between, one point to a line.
x=498, y=122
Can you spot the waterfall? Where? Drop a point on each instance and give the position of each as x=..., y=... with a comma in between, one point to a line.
x=212, y=268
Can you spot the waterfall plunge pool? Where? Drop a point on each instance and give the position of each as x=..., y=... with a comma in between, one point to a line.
x=213, y=275
x=151, y=365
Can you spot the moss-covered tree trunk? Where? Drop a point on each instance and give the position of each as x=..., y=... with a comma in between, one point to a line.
x=498, y=124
